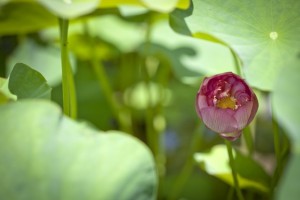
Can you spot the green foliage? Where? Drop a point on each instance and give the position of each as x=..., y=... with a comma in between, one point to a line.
x=24, y=17
x=189, y=57
x=265, y=34
x=3, y=97
x=289, y=185
x=5, y=94
x=132, y=34
x=250, y=174
x=286, y=102
x=165, y=6
x=70, y=9
x=3, y=2
x=61, y=159
x=286, y=109
x=139, y=98
x=42, y=58
x=155, y=5
x=140, y=63
x=27, y=83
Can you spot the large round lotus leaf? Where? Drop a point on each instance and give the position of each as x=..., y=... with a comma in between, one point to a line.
x=264, y=33
x=45, y=155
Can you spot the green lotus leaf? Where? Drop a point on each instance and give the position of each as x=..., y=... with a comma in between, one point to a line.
x=264, y=34
x=45, y=155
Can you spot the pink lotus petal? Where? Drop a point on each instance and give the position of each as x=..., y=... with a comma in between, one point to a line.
x=230, y=112
x=238, y=86
x=201, y=103
x=254, y=108
x=242, y=115
x=205, y=81
x=218, y=120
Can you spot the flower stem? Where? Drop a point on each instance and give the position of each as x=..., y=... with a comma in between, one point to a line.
x=105, y=85
x=101, y=75
x=238, y=67
x=68, y=85
x=249, y=140
x=230, y=193
x=233, y=170
x=153, y=135
x=276, y=139
x=279, y=165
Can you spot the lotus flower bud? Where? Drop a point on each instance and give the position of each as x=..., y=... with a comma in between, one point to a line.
x=226, y=104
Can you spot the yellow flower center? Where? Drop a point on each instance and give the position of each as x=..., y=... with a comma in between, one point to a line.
x=227, y=102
